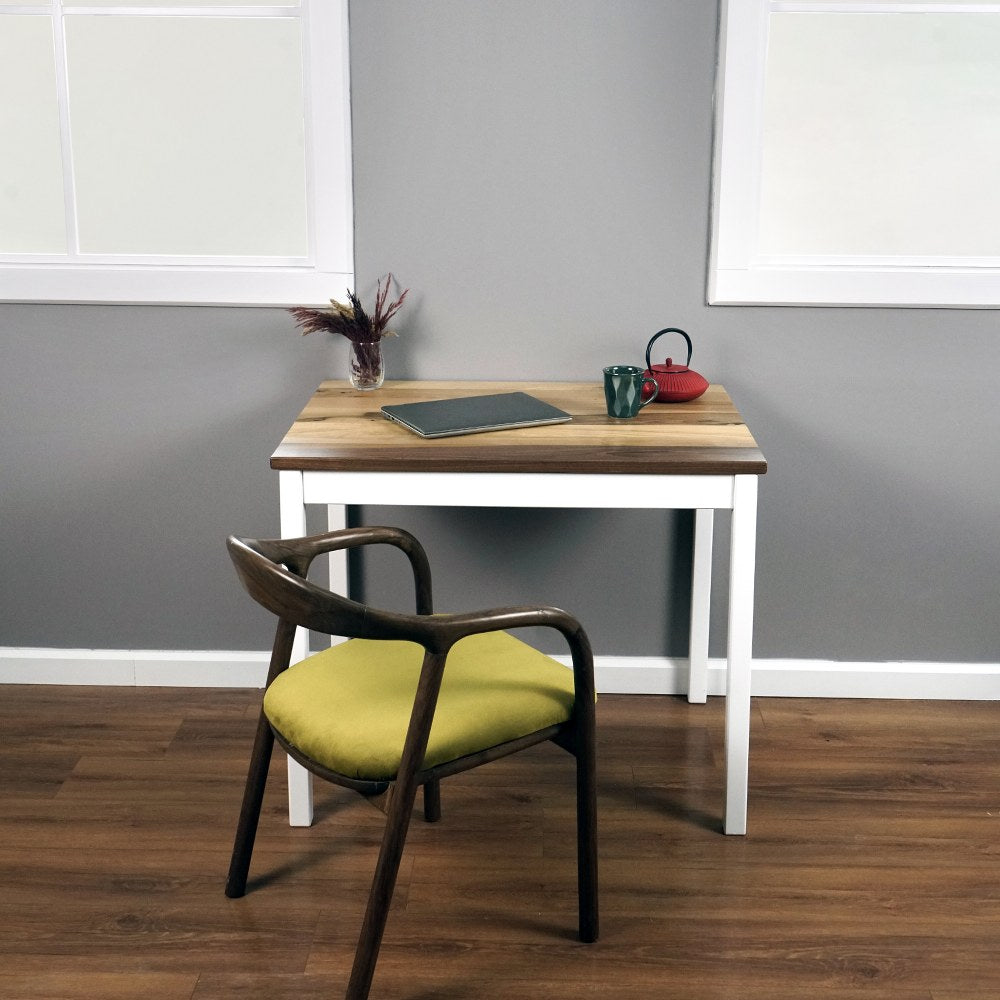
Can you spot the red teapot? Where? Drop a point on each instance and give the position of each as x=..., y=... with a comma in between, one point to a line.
x=677, y=383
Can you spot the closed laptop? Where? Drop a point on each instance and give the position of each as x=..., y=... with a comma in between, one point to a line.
x=474, y=414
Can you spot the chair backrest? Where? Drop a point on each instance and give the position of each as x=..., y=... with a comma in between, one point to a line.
x=273, y=573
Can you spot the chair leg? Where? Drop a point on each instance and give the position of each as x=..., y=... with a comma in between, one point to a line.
x=432, y=800
x=404, y=794
x=253, y=797
x=586, y=833
x=380, y=898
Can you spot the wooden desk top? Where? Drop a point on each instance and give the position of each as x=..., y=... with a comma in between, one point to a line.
x=342, y=429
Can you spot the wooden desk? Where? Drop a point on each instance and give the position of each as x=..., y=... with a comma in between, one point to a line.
x=698, y=456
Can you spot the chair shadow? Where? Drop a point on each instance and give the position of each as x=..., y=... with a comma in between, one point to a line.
x=296, y=866
x=303, y=861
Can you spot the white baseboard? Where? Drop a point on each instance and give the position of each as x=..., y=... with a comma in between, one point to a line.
x=615, y=674
x=808, y=678
x=133, y=667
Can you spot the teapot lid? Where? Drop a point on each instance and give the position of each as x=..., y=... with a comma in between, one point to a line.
x=670, y=368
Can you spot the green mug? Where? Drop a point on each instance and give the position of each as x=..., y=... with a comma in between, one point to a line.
x=623, y=389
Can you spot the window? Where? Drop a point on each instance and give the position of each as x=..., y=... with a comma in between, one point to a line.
x=182, y=152
x=857, y=151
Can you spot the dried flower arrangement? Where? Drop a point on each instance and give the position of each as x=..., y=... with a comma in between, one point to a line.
x=364, y=331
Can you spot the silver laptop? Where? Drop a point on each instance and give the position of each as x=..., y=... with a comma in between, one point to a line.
x=474, y=414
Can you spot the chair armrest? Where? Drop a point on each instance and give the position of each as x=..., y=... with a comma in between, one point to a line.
x=443, y=631
x=452, y=627
x=297, y=554
x=274, y=573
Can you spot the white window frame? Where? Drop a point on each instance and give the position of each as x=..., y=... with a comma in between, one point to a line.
x=311, y=280
x=738, y=273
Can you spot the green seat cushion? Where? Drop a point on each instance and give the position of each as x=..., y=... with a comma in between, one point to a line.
x=349, y=706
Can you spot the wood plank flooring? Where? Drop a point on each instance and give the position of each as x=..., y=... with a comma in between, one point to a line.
x=871, y=870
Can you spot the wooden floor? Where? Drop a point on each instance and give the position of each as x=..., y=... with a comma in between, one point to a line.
x=871, y=870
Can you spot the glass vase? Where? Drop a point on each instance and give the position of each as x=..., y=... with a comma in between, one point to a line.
x=367, y=370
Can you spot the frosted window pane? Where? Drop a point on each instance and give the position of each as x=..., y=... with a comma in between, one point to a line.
x=31, y=191
x=188, y=135
x=882, y=135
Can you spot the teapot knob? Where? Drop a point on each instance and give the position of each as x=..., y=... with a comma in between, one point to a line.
x=670, y=361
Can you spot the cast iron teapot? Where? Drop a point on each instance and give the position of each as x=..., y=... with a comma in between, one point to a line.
x=677, y=383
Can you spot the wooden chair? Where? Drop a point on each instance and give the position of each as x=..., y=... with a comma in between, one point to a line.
x=405, y=702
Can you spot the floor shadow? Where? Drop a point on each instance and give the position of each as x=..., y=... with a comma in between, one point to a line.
x=667, y=806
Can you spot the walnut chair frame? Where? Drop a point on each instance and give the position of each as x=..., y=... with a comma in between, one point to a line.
x=274, y=573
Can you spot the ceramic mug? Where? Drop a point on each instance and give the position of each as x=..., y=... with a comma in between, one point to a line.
x=623, y=390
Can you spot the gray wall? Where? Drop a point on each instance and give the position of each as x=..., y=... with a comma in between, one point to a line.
x=538, y=172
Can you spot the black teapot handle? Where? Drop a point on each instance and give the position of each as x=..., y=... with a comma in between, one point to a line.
x=669, y=329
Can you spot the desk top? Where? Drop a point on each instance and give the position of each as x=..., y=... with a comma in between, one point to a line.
x=342, y=429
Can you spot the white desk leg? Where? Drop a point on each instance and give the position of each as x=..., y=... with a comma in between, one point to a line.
x=293, y=525
x=741, y=583
x=336, y=519
x=701, y=598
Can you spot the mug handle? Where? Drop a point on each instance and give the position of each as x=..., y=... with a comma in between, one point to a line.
x=656, y=389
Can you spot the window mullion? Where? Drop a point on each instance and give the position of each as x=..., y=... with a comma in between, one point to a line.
x=65, y=133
